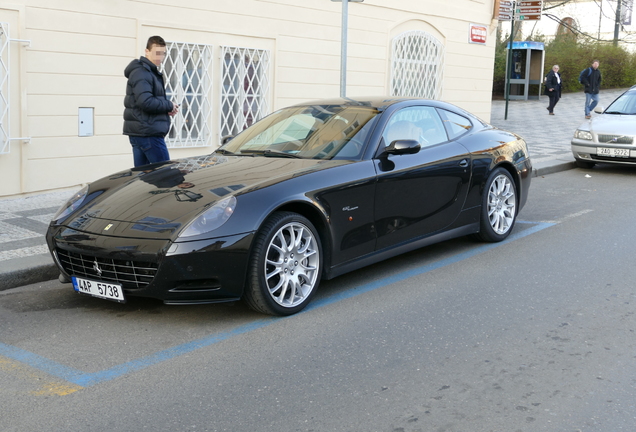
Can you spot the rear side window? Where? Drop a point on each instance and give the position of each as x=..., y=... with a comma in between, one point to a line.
x=421, y=123
x=456, y=125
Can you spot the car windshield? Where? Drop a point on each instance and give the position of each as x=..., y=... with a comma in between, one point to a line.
x=308, y=132
x=625, y=104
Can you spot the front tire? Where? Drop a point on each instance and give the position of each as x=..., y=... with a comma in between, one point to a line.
x=584, y=164
x=499, y=207
x=285, y=265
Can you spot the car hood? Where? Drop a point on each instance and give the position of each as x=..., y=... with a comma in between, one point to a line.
x=157, y=201
x=611, y=124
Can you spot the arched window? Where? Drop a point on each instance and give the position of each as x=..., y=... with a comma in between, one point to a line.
x=567, y=27
x=416, y=65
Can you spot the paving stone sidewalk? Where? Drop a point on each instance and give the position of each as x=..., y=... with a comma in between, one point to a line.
x=24, y=257
x=548, y=137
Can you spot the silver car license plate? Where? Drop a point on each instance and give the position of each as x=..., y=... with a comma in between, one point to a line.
x=612, y=152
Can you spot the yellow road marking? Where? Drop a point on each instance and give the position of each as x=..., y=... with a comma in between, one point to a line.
x=47, y=386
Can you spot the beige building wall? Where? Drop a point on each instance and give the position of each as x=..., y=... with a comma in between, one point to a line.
x=69, y=54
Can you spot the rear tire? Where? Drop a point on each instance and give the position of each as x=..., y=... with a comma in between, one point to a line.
x=285, y=266
x=499, y=207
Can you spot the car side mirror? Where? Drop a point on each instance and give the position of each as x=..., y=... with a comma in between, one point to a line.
x=226, y=139
x=599, y=109
x=400, y=147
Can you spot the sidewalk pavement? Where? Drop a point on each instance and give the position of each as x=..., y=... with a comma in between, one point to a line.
x=24, y=256
x=548, y=137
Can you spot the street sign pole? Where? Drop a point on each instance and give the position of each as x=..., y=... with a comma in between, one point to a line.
x=343, y=45
x=509, y=62
x=521, y=10
x=343, y=49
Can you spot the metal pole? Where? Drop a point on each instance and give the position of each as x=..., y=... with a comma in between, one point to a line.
x=600, y=19
x=509, y=62
x=343, y=49
x=617, y=24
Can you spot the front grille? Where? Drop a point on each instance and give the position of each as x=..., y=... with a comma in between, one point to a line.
x=128, y=273
x=615, y=139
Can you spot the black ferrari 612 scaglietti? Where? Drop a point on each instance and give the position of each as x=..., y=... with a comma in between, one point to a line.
x=310, y=192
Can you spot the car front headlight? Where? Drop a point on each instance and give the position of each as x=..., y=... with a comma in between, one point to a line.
x=211, y=219
x=582, y=134
x=72, y=204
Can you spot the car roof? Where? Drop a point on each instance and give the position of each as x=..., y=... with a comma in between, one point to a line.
x=378, y=102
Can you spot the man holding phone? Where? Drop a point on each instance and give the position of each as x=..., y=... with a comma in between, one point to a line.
x=147, y=110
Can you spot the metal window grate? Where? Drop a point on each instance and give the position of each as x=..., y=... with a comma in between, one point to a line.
x=196, y=163
x=244, y=88
x=129, y=274
x=416, y=65
x=5, y=143
x=187, y=70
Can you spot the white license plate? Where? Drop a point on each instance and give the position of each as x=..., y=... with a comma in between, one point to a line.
x=612, y=152
x=104, y=290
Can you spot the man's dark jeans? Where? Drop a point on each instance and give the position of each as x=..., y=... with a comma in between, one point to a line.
x=147, y=150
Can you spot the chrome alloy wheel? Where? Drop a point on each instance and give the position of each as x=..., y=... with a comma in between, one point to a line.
x=502, y=204
x=292, y=264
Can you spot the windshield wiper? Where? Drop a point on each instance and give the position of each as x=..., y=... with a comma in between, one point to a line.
x=269, y=152
x=224, y=152
x=614, y=112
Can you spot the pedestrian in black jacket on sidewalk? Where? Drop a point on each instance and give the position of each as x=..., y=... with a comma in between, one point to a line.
x=591, y=79
x=147, y=110
x=553, y=87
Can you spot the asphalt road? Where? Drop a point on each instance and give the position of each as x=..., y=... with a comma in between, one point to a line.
x=533, y=334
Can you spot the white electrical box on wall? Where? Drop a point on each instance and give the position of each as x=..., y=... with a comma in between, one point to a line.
x=85, y=118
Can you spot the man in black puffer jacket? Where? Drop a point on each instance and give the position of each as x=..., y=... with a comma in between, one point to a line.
x=147, y=110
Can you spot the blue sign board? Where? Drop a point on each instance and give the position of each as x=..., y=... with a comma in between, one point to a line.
x=527, y=45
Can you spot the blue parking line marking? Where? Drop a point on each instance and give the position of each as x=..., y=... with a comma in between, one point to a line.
x=425, y=268
x=89, y=379
x=40, y=363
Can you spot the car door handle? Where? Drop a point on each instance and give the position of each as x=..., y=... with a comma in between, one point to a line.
x=463, y=163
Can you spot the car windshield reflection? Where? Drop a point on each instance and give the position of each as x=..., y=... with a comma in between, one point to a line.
x=624, y=105
x=313, y=132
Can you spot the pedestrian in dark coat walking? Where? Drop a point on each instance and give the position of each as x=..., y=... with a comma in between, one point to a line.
x=553, y=88
x=591, y=79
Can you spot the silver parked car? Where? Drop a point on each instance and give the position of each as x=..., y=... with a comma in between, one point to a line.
x=608, y=137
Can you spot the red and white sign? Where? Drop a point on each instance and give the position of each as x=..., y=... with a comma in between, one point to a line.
x=478, y=34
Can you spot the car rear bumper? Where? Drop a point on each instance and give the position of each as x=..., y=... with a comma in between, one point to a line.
x=524, y=171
